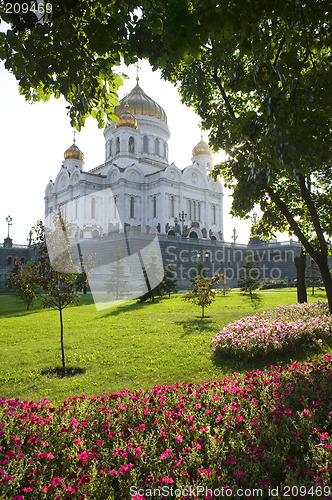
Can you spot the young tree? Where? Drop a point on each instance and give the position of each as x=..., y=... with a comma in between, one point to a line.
x=23, y=280
x=249, y=275
x=118, y=282
x=61, y=279
x=313, y=278
x=202, y=292
x=170, y=280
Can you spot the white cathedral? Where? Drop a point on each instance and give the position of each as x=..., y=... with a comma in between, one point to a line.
x=147, y=192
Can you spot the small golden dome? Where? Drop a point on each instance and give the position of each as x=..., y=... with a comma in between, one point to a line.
x=126, y=119
x=202, y=149
x=74, y=153
x=140, y=104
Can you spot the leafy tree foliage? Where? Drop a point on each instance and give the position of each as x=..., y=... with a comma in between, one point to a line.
x=249, y=279
x=23, y=280
x=170, y=280
x=203, y=292
x=262, y=86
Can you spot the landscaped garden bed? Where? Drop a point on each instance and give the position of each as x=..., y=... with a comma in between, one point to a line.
x=263, y=429
x=283, y=329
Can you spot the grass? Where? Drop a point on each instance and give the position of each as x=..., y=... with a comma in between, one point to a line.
x=132, y=345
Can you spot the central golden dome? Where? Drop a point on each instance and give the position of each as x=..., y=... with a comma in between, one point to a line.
x=140, y=104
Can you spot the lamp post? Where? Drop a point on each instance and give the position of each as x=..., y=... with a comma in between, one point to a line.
x=182, y=218
x=254, y=218
x=9, y=222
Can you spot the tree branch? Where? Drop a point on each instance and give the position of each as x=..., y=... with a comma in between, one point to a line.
x=222, y=91
x=290, y=219
x=313, y=212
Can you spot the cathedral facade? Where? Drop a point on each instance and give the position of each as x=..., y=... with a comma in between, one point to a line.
x=145, y=192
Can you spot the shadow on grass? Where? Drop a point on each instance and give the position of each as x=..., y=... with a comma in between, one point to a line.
x=116, y=310
x=198, y=325
x=233, y=363
x=57, y=372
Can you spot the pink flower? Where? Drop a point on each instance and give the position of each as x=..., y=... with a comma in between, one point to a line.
x=56, y=481
x=100, y=443
x=166, y=454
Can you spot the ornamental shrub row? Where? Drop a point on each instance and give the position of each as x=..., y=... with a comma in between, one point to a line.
x=284, y=328
x=263, y=430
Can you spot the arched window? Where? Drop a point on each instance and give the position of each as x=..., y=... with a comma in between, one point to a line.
x=194, y=207
x=109, y=149
x=132, y=207
x=156, y=146
x=131, y=145
x=9, y=261
x=93, y=208
x=155, y=206
x=213, y=214
x=145, y=144
x=193, y=234
x=198, y=211
x=117, y=147
x=172, y=211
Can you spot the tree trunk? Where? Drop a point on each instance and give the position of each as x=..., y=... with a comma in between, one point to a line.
x=62, y=346
x=327, y=279
x=300, y=263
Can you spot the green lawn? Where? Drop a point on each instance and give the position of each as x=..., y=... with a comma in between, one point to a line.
x=133, y=345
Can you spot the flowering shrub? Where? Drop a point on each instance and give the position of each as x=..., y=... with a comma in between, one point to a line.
x=283, y=328
x=266, y=429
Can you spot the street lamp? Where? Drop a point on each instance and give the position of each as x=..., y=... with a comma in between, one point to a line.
x=254, y=218
x=9, y=222
x=182, y=218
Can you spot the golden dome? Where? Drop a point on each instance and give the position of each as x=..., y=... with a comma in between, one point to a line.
x=126, y=119
x=140, y=104
x=202, y=149
x=74, y=153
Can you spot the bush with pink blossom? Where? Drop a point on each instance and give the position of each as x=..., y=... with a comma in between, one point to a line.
x=285, y=328
x=262, y=430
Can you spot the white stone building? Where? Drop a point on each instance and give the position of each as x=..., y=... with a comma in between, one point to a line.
x=146, y=192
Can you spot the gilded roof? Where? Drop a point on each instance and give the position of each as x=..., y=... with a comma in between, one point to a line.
x=140, y=104
x=74, y=153
x=202, y=149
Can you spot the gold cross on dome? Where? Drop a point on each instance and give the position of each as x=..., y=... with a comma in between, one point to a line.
x=137, y=71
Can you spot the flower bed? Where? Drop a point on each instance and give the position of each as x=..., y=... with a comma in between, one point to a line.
x=284, y=328
x=265, y=430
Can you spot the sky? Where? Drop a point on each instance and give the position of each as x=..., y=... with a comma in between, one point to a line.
x=33, y=138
